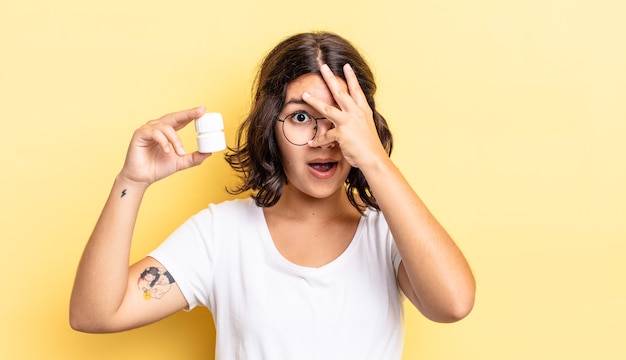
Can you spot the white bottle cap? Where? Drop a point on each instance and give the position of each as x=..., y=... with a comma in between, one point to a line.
x=210, y=135
x=209, y=122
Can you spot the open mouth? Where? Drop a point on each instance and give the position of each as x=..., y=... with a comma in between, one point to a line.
x=323, y=167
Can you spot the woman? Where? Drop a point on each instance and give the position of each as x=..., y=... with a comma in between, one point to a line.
x=314, y=265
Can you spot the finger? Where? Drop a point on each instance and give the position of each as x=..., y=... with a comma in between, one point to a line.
x=180, y=119
x=326, y=110
x=341, y=96
x=329, y=137
x=174, y=139
x=354, y=87
x=193, y=159
x=157, y=136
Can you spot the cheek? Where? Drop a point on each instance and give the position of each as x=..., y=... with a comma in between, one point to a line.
x=287, y=160
x=282, y=146
x=279, y=137
x=281, y=143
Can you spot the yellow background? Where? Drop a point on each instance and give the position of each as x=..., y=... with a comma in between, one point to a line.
x=509, y=119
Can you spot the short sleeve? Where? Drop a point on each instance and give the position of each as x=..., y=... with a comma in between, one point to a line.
x=188, y=254
x=395, y=256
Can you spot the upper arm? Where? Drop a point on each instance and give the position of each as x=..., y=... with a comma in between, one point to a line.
x=436, y=310
x=405, y=286
x=151, y=295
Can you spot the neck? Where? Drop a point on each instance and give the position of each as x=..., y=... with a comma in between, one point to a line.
x=297, y=205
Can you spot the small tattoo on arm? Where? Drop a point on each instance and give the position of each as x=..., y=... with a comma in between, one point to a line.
x=123, y=193
x=154, y=282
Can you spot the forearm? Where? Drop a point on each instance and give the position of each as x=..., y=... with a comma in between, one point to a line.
x=102, y=275
x=440, y=278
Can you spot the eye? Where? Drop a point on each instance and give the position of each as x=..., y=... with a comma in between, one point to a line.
x=300, y=117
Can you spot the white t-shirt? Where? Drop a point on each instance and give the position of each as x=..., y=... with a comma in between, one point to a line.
x=266, y=307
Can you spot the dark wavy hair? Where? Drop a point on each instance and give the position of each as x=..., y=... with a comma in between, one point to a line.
x=256, y=156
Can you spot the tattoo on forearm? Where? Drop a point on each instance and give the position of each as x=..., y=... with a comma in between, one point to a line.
x=123, y=193
x=154, y=282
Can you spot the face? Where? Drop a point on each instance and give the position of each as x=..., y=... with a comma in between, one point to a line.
x=317, y=172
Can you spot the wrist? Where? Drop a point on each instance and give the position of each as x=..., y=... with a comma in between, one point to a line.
x=125, y=184
x=377, y=165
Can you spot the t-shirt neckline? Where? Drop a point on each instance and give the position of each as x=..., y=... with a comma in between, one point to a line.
x=268, y=243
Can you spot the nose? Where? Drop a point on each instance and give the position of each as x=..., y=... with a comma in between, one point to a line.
x=323, y=125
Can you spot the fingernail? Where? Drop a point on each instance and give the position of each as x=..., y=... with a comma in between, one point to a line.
x=181, y=150
x=305, y=95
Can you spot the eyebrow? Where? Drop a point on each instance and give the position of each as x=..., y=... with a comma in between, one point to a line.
x=295, y=101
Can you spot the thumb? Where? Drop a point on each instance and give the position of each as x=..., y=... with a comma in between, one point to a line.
x=192, y=160
x=327, y=139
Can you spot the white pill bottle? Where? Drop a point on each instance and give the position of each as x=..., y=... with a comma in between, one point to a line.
x=210, y=129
